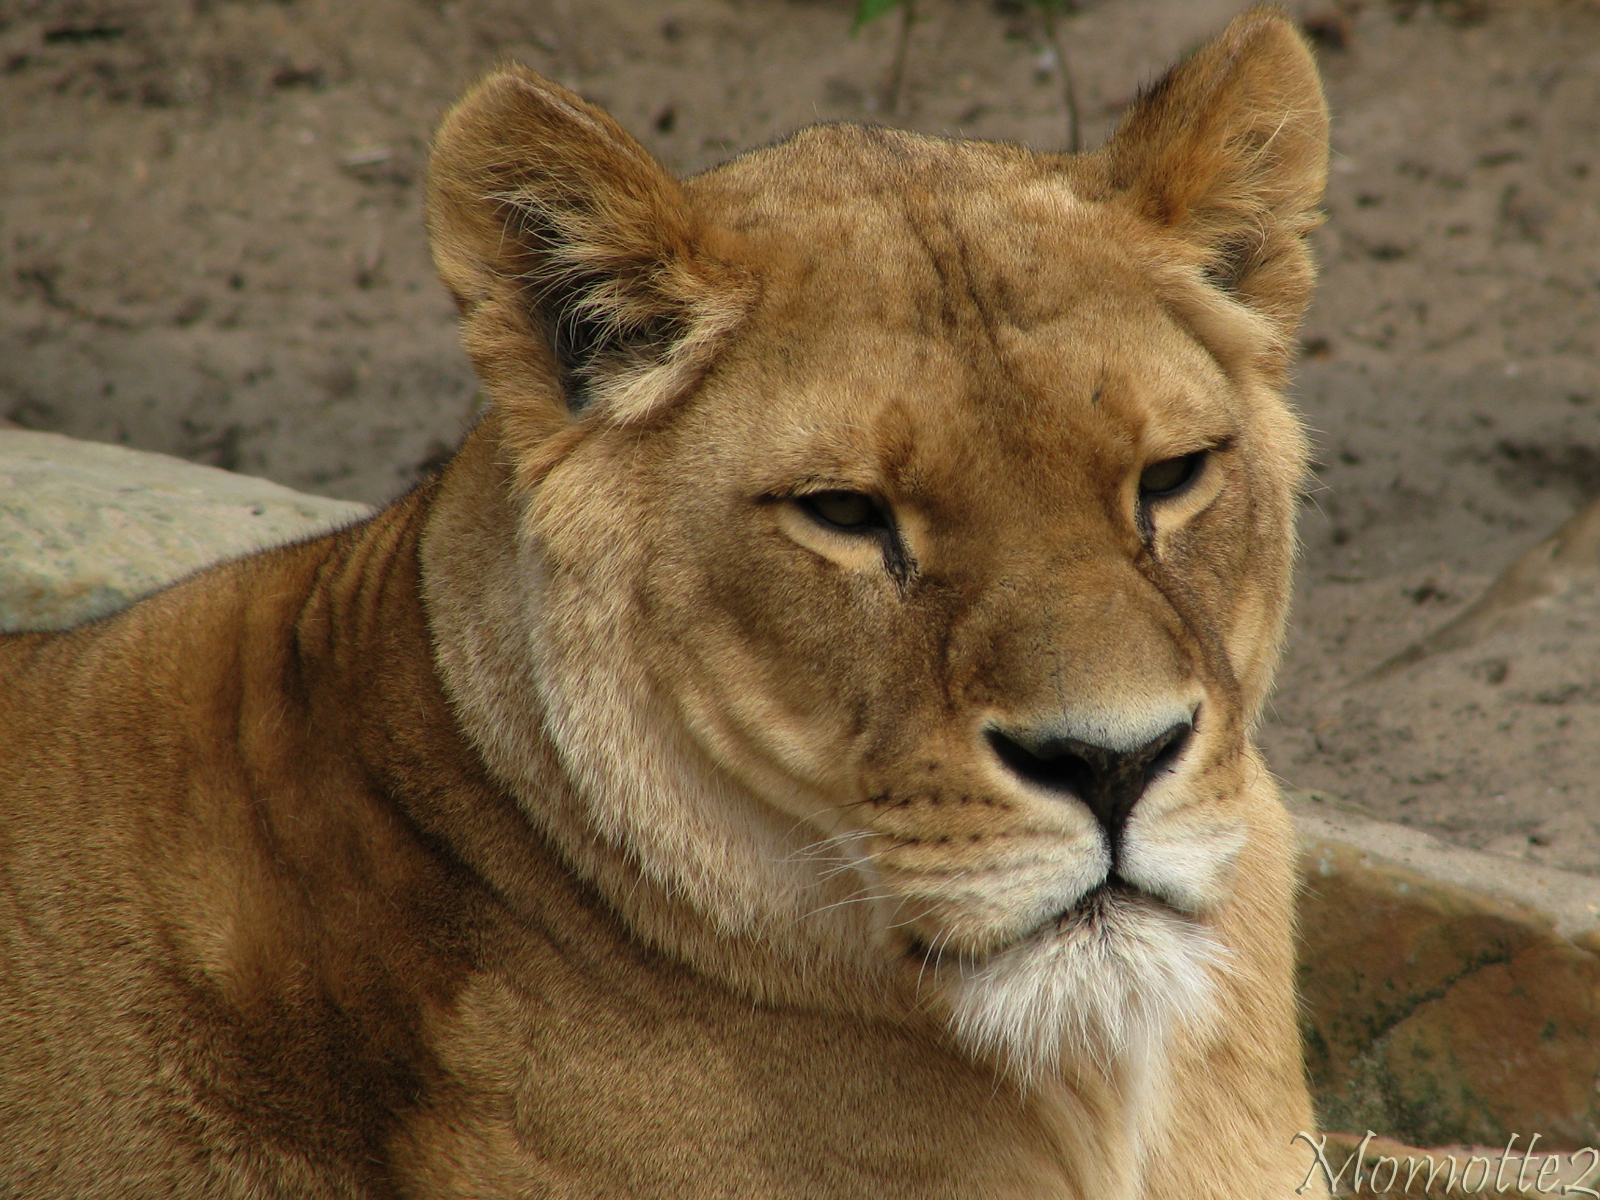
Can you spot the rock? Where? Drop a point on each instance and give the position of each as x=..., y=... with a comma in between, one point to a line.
x=1450, y=996
x=87, y=528
x=1569, y=900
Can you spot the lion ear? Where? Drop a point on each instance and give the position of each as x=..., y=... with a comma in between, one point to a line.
x=1229, y=152
x=582, y=276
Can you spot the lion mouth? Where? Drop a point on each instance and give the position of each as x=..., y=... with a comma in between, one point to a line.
x=1111, y=895
x=1101, y=911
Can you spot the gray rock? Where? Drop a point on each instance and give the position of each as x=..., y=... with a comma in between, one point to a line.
x=87, y=528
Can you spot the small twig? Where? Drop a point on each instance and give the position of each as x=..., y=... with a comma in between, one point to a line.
x=897, y=73
x=1069, y=90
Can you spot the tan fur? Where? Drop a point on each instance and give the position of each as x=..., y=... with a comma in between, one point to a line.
x=599, y=821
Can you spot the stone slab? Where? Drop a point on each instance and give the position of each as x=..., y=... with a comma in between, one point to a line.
x=1572, y=901
x=1449, y=996
x=87, y=528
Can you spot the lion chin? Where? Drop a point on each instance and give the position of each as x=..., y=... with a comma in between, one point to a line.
x=1105, y=984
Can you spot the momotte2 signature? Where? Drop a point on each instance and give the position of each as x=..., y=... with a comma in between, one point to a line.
x=1419, y=1174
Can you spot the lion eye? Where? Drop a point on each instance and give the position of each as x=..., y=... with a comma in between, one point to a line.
x=1171, y=476
x=850, y=511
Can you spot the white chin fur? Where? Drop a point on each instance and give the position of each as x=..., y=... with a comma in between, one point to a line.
x=1105, y=990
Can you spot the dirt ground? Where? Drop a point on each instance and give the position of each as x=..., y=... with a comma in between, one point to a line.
x=211, y=245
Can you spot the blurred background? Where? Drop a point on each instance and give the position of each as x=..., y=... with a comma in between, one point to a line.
x=211, y=245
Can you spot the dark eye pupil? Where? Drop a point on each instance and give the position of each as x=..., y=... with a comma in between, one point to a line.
x=847, y=510
x=1164, y=478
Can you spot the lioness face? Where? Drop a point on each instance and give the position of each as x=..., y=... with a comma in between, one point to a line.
x=956, y=575
x=968, y=556
x=938, y=581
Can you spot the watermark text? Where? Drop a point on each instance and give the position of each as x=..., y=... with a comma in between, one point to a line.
x=1364, y=1173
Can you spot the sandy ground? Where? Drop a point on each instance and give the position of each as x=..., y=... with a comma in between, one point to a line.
x=211, y=245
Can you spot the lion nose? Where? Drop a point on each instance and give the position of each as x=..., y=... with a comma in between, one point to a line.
x=1107, y=780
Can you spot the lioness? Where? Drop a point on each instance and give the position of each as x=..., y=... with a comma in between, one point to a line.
x=799, y=747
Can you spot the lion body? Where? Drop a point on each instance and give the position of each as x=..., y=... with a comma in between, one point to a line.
x=604, y=818
x=229, y=975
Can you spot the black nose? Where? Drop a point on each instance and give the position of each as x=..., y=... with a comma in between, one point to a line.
x=1109, y=782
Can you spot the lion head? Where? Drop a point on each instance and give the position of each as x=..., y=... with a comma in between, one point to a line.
x=895, y=544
